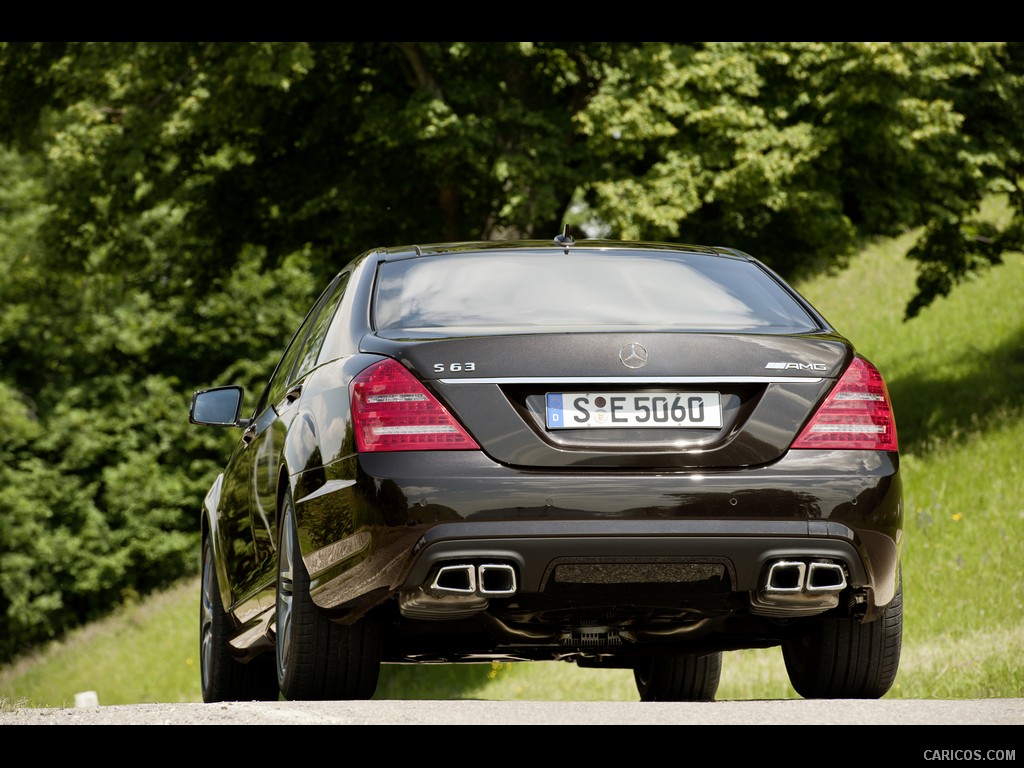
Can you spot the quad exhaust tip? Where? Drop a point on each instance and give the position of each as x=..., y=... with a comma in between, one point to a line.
x=459, y=591
x=795, y=576
x=488, y=580
x=799, y=588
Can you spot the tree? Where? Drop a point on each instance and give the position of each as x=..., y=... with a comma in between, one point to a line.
x=170, y=209
x=798, y=152
x=187, y=152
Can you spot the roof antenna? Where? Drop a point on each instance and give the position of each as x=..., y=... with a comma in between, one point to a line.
x=565, y=239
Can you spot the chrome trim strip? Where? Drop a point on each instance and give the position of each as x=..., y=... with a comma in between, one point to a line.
x=639, y=380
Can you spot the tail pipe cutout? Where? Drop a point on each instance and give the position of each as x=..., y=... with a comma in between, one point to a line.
x=459, y=590
x=799, y=587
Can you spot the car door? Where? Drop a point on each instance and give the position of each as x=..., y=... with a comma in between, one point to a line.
x=243, y=497
x=280, y=403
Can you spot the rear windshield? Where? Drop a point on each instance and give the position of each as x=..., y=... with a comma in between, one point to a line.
x=527, y=292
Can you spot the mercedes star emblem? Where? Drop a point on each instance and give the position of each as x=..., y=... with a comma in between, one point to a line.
x=633, y=355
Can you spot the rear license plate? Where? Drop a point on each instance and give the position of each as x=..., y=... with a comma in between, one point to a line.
x=634, y=410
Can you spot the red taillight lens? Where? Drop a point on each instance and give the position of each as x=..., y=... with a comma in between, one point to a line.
x=857, y=415
x=392, y=411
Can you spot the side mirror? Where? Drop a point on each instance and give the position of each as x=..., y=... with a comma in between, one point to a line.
x=217, y=407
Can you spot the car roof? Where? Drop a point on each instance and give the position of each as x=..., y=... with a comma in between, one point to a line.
x=567, y=245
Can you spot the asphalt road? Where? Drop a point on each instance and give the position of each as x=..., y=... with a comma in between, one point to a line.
x=886, y=712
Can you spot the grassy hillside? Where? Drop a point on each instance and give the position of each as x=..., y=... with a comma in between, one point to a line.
x=955, y=374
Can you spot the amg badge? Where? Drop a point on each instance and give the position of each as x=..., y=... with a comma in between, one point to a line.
x=797, y=366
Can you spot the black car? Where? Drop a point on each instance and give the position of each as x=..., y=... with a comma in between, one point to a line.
x=622, y=455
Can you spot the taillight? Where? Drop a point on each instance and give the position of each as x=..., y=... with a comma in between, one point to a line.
x=857, y=414
x=392, y=411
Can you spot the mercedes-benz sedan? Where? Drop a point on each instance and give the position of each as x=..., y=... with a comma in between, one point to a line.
x=619, y=455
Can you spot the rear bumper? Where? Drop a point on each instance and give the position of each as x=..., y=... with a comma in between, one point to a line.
x=538, y=548
x=414, y=512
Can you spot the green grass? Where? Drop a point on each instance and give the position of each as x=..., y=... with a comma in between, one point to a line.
x=955, y=374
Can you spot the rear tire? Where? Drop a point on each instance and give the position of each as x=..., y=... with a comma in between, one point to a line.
x=316, y=658
x=223, y=677
x=678, y=677
x=845, y=659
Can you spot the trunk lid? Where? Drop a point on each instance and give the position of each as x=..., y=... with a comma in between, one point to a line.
x=664, y=400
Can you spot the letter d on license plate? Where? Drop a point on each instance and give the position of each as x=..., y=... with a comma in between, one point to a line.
x=634, y=410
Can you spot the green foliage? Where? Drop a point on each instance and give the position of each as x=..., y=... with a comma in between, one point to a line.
x=796, y=152
x=164, y=160
x=101, y=476
x=101, y=492
x=170, y=209
x=963, y=477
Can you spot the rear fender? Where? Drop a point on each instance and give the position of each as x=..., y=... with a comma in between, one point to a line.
x=209, y=528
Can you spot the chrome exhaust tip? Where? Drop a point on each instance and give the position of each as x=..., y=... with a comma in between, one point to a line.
x=785, y=576
x=799, y=588
x=497, y=580
x=455, y=580
x=826, y=577
x=459, y=591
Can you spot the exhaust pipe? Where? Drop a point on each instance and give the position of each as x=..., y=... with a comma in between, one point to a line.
x=497, y=580
x=490, y=579
x=798, y=588
x=459, y=591
x=826, y=577
x=455, y=580
x=785, y=577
